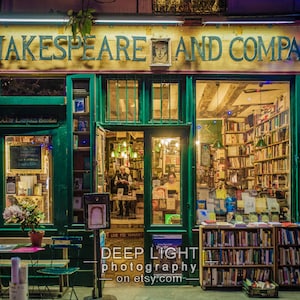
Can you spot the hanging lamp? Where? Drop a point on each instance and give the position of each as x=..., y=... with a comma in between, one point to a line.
x=218, y=144
x=261, y=142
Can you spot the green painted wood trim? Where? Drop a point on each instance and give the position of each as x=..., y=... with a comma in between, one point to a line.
x=33, y=100
x=69, y=137
x=295, y=139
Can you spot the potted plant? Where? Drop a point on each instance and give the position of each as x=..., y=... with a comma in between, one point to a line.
x=81, y=22
x=28, y=215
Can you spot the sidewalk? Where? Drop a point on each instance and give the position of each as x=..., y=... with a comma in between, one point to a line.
x=139, y=292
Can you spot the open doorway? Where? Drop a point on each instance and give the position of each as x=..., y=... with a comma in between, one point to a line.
x=125, y=180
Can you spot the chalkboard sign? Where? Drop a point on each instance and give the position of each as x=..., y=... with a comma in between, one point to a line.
x=25, y=157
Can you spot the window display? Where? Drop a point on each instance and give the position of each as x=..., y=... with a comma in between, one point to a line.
x=28, y=172
x=251, y=161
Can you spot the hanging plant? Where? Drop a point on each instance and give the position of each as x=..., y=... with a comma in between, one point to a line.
x=81, y=22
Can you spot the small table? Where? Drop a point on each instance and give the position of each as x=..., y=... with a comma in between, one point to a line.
x=124, y=198
x=17, y=249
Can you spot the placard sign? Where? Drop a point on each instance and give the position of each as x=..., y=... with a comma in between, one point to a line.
x=26, y=157
x=97, y=211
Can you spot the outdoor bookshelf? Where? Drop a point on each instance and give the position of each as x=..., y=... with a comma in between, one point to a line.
x=229, y=255
x=81, y=144
x=288, y=256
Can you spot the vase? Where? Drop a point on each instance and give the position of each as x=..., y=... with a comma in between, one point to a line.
x=36, y=238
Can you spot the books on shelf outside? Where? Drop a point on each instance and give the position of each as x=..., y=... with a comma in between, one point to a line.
x=83, y=124
x=77, y=202
x=215, y=223
x=86, y=181
x=259, y=224
x=79, y=105
x=77, y=183
x=86, y=162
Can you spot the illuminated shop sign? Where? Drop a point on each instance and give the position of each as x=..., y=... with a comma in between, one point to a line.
x=180, y=48
x=205, y=48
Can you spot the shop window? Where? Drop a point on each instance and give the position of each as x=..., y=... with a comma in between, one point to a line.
x=28, y=172
x=32, y=86
x=165, y=98
x=242, y=151
x=122, y=101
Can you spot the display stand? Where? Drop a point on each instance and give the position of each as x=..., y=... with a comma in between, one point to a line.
x=97, y=216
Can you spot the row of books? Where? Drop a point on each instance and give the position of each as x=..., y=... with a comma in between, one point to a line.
x=238, y=257
x=81, y=124
x=276, y=122
x=82, y=183
x=289, y=276
x=234, y=276
x=272, y=152
x=238, y=238
x=289, y=256
x=288, y=237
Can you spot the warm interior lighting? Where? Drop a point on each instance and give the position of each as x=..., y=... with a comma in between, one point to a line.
x=218, y=145
x=261, y=143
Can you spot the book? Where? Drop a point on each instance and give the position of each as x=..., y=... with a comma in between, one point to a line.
x=77, y=202
x=77, y=184
x=86, y=181
x=79, y=105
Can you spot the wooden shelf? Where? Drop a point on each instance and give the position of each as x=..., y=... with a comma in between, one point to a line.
x=81, y=144
x=251, y=251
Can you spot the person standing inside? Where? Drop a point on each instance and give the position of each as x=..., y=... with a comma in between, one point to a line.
x=123, y=180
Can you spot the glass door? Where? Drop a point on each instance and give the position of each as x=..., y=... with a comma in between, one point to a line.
x=166, y=175
x=166, y=199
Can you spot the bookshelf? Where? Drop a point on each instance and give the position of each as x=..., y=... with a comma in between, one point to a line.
x=228, y=255
x=271, y=162
x=288, y=257
x=81, y=145
x=239, y=152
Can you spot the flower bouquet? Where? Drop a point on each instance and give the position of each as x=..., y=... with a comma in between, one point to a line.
x=24, y=213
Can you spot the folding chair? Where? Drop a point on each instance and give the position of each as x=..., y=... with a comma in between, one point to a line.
x=65, y=247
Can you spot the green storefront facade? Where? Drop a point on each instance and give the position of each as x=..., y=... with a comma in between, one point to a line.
x=120, y=56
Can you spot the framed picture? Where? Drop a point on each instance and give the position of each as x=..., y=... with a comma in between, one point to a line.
x=97, y=211
x=160, y=52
